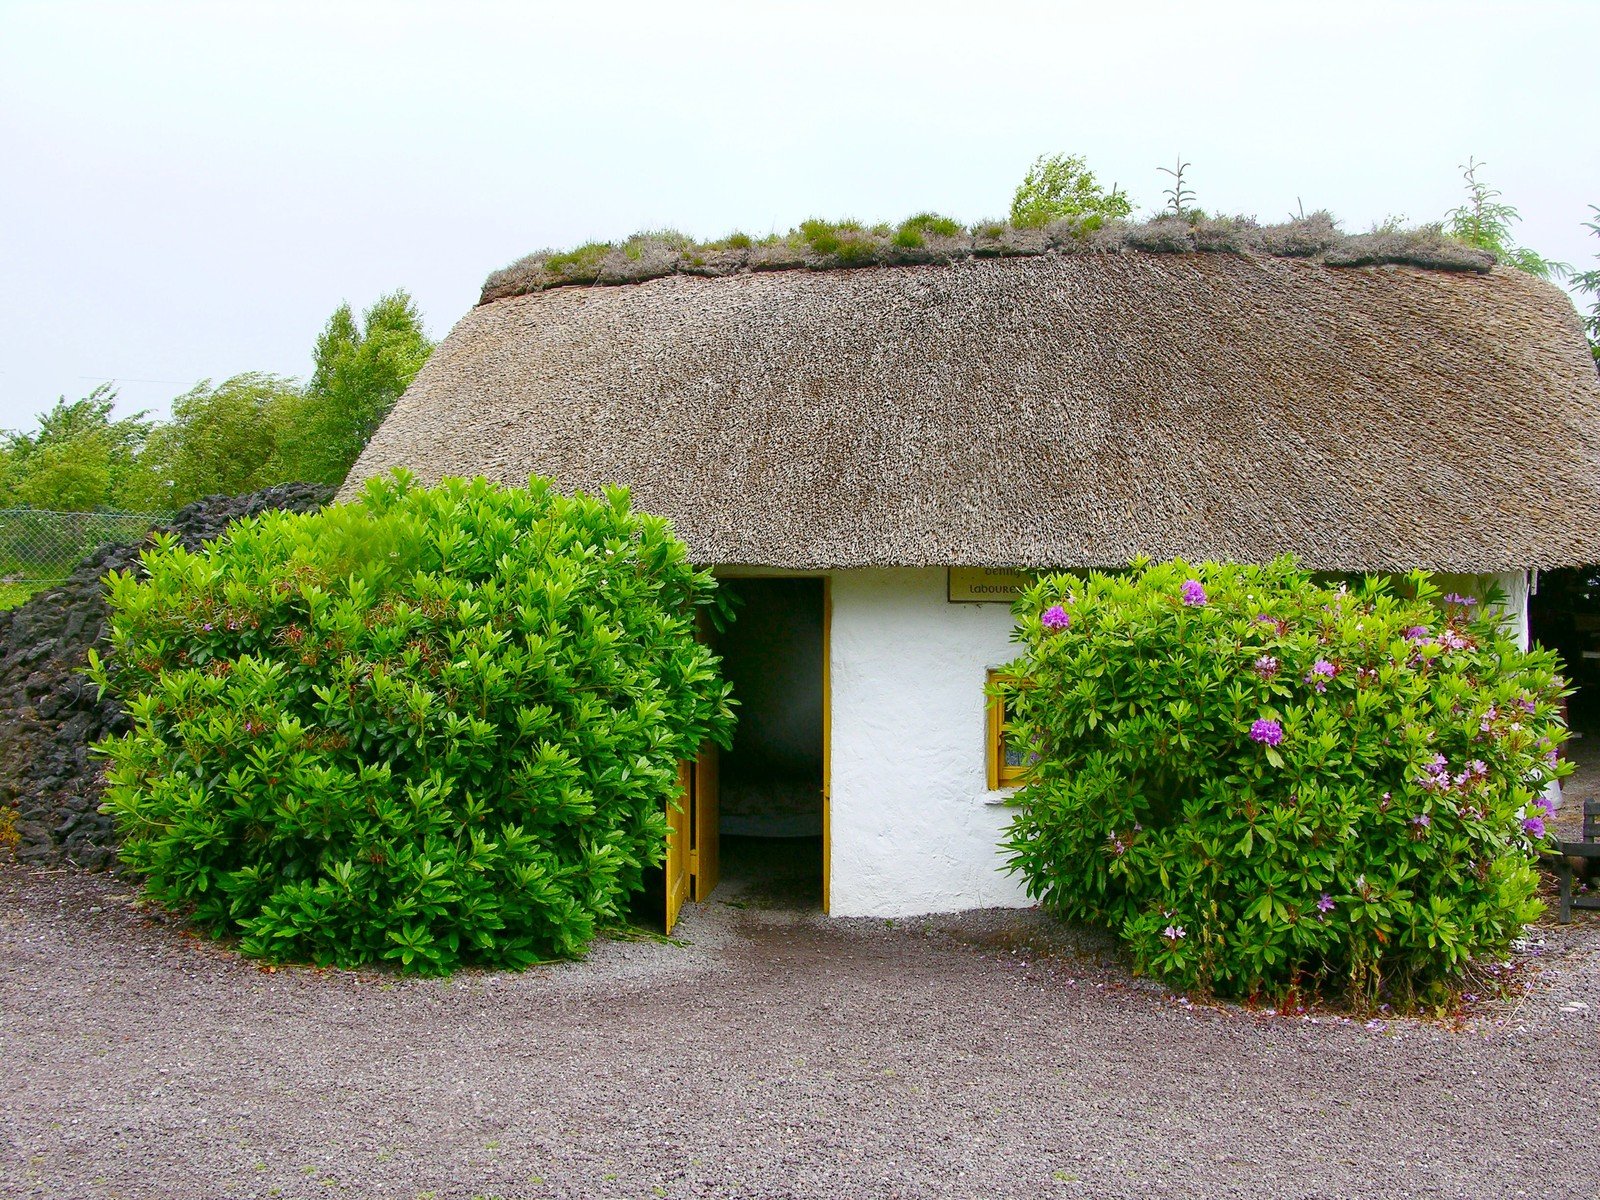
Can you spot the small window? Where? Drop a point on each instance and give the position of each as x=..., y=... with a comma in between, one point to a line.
x=1007, y=765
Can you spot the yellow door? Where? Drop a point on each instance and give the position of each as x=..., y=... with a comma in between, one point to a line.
x=678, y=849
x=704, y=864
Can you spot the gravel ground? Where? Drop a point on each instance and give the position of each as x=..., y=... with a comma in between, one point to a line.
x=772, y=1053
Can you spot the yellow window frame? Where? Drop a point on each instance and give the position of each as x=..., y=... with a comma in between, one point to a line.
x=1000, y=773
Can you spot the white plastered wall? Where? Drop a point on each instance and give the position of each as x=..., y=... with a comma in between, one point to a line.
x=912, y=828
x=1515, y=586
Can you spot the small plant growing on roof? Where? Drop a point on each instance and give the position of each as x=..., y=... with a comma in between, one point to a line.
x=1180, y=198
x=434, y=726
x=847, y=243
x=1061, y=187
x=913, y=233
x=1485, y=222
x=1270, y=786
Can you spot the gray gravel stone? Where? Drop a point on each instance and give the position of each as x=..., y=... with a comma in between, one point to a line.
x=762, y=1053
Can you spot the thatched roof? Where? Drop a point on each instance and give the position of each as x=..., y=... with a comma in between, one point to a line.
x=1055, y=410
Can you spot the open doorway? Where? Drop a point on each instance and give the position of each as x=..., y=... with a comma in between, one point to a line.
x=1564, y=616
x=771, y=781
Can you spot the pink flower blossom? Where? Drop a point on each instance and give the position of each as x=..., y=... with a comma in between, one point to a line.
x=1174, y=933
x=1266, y=666
x=1321, y=671
x=1193, y=593
x=1266, y=731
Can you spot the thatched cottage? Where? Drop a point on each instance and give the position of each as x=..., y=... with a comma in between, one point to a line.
x=864, y=453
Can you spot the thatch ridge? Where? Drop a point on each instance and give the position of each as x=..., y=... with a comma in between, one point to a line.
x=1052, y=410
x=927, y=238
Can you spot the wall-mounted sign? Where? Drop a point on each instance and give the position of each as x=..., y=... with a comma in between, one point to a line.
x=986, y=585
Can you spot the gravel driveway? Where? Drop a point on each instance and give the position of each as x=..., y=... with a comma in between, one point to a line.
x=773, y=1054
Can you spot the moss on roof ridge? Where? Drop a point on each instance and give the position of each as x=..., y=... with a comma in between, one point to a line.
x=930, y=238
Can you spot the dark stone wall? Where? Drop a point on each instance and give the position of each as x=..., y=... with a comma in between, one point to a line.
x=49, y=714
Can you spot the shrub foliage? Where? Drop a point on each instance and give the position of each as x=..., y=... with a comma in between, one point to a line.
x=1271, y=786
x=436, y=726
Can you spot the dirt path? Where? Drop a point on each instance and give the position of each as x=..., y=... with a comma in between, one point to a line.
x=772, y=1055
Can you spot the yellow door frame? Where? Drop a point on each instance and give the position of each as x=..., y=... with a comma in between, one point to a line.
x=675, y=867
x=827, y=739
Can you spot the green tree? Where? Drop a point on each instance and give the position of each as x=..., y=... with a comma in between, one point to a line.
x=1061, y=186
x=1485, y=221
x=222, y=438
x=1588, y=283
x=359, y=372
x=77, y=459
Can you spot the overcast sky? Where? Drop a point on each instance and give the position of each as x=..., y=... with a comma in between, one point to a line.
x=188, y=190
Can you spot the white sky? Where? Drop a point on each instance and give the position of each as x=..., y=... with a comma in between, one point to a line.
x=188, y=190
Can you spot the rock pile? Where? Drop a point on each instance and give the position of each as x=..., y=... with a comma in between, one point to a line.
x=50, y=715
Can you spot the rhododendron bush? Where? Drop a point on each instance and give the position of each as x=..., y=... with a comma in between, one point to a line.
x=434, y=726
x=1271, y=786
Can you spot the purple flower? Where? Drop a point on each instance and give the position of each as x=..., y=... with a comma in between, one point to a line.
x=1267, y=732
x=1174, y=933
x=1325, y=905
x=1545, y=805
x=1193, y=593
x=206, y=627
x=1422, y=820
x=1529, y=705
x=1534, y=826
x=1463, y=601
x=1321, y=671
x=1055, y=617
x=1417, y=633
x=1266, y=666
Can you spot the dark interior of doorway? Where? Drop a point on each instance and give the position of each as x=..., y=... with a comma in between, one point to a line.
x=1564, y=616
x=771, y=778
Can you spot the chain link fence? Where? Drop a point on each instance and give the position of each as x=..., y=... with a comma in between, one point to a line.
x=39, y=548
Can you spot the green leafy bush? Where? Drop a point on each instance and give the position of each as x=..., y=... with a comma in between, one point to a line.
x=1271, y=786
x=436, y=726
x=1061, y=187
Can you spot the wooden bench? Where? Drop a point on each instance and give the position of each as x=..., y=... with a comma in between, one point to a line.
x=1589, y=847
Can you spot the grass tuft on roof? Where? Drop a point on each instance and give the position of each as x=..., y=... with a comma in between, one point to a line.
x=819, y=245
